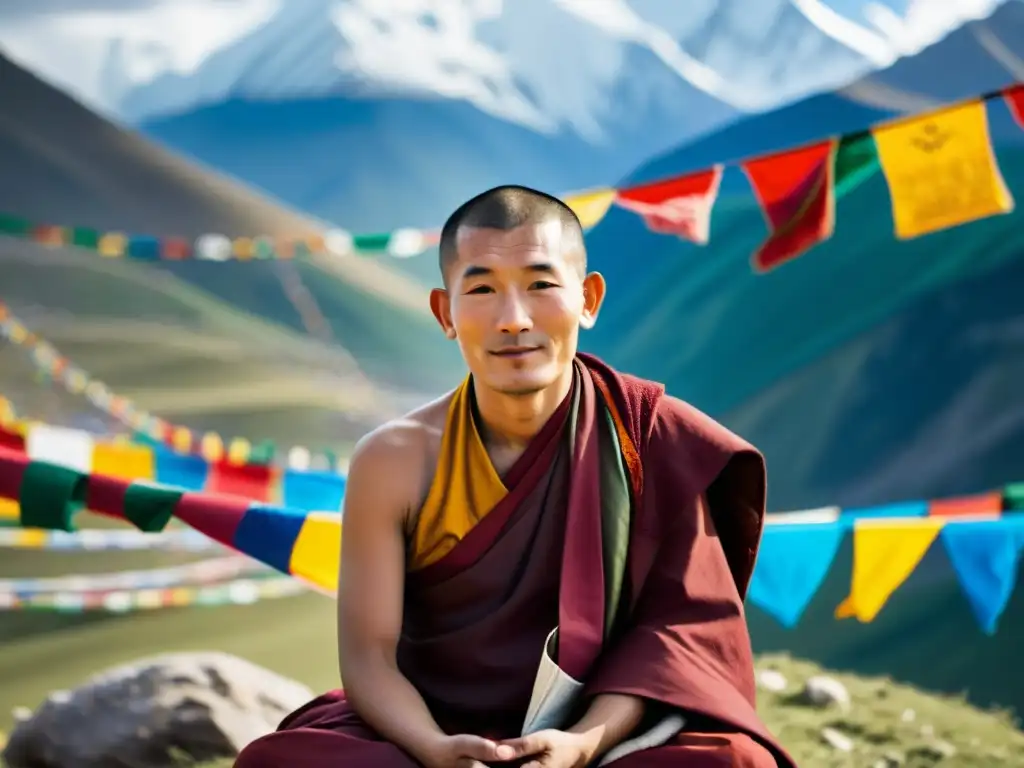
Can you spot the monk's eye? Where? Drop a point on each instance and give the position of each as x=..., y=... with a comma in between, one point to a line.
x=541, y=284
x=481, y=289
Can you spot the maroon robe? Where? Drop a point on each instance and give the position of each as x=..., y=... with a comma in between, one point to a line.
x=476, y=621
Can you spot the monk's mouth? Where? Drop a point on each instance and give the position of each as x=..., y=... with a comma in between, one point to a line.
x=515, y=352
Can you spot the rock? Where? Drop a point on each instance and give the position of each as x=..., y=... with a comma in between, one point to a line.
x=823, y=691
x=890, y=760
x=771, y=680
x=837, y=740
x=153, y=712
x=934, y=752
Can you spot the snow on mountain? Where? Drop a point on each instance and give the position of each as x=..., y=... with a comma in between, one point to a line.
x=540, y=63
x=376, y=114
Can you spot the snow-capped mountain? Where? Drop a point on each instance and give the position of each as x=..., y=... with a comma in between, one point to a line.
x=383, y=113
x=542, y=63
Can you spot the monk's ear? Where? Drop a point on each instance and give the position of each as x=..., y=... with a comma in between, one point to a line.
x=441, y=306
x=593, y=296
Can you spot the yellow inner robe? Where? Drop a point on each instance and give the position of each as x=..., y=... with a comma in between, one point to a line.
x=464, y=489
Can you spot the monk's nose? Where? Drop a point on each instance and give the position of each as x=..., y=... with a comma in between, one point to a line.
x=514, y=318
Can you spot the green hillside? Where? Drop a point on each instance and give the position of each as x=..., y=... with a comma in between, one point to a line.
x=214, y=345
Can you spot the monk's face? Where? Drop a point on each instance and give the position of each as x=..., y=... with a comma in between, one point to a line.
x=515, y=302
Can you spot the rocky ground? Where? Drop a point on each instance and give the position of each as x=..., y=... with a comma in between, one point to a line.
x=826, y=720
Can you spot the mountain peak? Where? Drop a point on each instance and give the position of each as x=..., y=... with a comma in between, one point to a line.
x=547, y=65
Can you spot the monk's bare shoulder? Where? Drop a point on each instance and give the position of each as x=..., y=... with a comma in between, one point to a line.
x=398, y=458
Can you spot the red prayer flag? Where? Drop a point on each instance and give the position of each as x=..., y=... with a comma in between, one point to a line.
x=795, y=192
x=680, y=206
x=1015, y=101
x=253, y=481
x=48, y=234
x=11, y=441
x=978, y=505
x=176, y=248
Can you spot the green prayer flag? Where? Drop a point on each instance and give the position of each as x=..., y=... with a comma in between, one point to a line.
x=14, y=225
x=84, y=237
x=50, y=496
x=262, y=453
x=372, y=243
x=263, y=248
x=856, y=161
x=1013, y=496
x=150, y=506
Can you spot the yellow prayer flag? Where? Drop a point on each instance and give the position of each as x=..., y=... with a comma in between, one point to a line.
x=941, y=170
x=591, y=207
x=238, y=451
x=7, y=413
x=211, y=447
x=317, y=551
x=127, y=461
x=32, y=538
x=244, y=248
x=885, y=553
x=112, y=245
x=181, y=439
x=149, y=598
x=9, y=510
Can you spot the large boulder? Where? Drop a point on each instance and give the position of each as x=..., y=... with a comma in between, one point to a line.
x=155, y=713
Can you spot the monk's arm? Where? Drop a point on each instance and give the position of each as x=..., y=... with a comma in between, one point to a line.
x=609, y=720
x=370, y=594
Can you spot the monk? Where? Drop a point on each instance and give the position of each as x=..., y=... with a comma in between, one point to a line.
x=545, y=567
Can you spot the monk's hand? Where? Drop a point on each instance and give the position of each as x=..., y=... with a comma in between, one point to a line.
x=553, y=749
x=467, y=751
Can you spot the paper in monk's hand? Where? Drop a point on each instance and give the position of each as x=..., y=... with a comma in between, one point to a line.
x=556, y=695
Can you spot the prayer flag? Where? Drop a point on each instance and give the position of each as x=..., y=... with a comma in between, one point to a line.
x=680, y=206
x=48, y=234
x=941, y=170
x=150, y=506
x=978, y=505
x=316, y=555
x=985, y=555
x=186, y=471
x=591, y=207
x=269, y=534
x=9, y=511
x=1015, y=101
x=128, y=461
x=791, y=565
x=254, y=481
x=85, y=237
x=885, y=553
x=176, y=248
x=372, y=243
x=898, y=509
x=322, y=491
x=112, y=245
x=67, y=447
x=11, y=440
x=1013, y=494
x=143, y=248
x=795, y=192
x=243, y=248
x=50, y=495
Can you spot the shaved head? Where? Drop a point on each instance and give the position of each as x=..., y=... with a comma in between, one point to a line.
x=509, y=207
